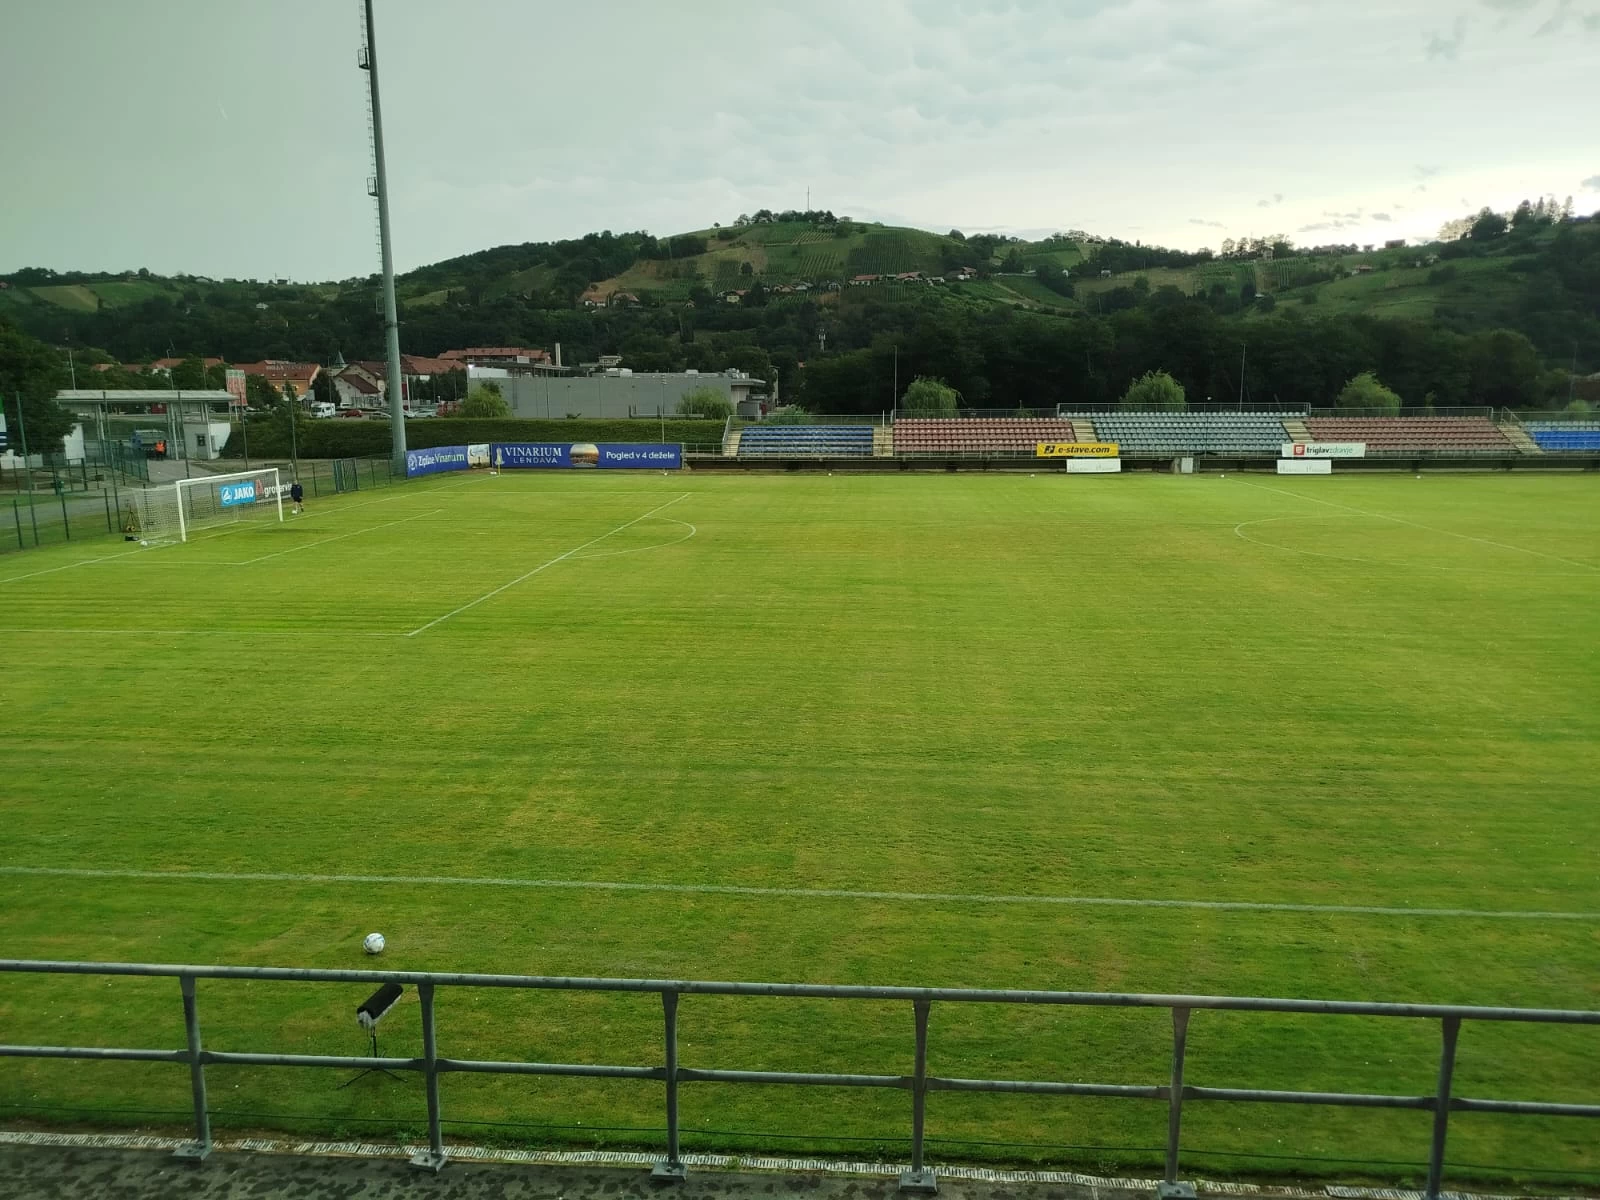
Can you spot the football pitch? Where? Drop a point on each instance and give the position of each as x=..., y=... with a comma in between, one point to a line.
x=1231, y=735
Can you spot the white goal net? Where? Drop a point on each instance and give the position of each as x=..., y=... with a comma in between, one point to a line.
x=173, y=512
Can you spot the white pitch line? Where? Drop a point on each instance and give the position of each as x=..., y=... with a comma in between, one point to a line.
x=82, y=562
x=337, y=538
x=1425, y=528
x=780, y=893
x=294, y=633
x=543, y=566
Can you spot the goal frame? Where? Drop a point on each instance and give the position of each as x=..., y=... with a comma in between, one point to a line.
x=212, y=480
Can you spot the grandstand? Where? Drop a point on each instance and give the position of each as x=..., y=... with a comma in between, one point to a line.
x=1192, y=433
x=1564, y=435
x=806, y=441
x=1406, y=435
x=984, y=435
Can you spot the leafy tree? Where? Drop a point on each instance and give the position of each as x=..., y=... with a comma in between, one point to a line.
x=705, y=402
x=746, y=269
x=1365, y=392
x=1487, y=226
x=792, y=414
x=30, y=375
x=1154, y=391
x=927, y=397
x=259, y=392
x=485, y=400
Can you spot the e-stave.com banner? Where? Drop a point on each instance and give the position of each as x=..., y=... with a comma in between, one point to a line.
x=435, y=459
x=660, y=456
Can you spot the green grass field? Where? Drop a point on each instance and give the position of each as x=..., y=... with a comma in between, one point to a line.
x=1356, y=691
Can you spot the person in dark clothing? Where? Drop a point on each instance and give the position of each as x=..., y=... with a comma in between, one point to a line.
x=298, y=495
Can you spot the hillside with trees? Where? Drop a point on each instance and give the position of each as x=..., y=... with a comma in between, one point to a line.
x=1499, y=312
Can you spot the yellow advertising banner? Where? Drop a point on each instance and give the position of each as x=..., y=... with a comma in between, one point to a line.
x=1075, y=450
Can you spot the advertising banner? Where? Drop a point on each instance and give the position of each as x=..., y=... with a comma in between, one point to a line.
x=229, y=494
x=615, y=455
x=1075, y=450
x=435, y=459
x=234, y=382
x=478, y=454
x=1094, y=466
x=1324, y=450
x=1305, y=466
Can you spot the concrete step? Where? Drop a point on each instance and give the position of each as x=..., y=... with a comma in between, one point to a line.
x=1519, y=438
x=1297, y=430
x=882, y=442
x=730, y=444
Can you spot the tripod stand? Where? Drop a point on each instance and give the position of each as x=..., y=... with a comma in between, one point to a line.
x=372, y=1034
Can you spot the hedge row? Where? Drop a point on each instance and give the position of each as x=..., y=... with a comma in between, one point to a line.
x=332, y=437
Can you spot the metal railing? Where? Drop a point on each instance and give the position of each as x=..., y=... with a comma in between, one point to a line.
x=1442, y=1102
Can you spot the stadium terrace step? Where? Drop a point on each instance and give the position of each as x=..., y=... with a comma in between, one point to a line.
x=882, y=442
x=1157, y=433
x=806, y=441
x=730, y=444
x=1519, y=438
x=1295, y=427
x=1564, y=435
x=1391, y=435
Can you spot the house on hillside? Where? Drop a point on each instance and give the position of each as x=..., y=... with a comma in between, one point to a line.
x=864, y=280
x=801, y=286
x=962, y=274
x=908, y=277
x=730, y=296
x=512, y=358
x=356, y=387
x=279, y=372
x=1364, y=269
x=622, y=300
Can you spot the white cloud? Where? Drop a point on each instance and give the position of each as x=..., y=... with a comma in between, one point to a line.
x=1108, y=115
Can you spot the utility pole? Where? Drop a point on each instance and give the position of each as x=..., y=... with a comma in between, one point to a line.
x=391, y=318
x=1243, y=350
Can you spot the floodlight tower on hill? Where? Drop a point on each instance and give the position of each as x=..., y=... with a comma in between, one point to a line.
x=378, y=186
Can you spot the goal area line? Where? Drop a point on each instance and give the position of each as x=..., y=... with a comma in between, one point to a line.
x=782, y=893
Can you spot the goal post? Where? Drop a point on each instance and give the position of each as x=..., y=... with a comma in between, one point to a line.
x=175, y=511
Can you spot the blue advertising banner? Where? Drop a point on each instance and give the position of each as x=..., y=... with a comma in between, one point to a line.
x=659, y=456
x=237, y=493
x=435, y=459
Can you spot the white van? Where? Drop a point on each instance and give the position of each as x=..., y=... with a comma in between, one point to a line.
x=324, y=408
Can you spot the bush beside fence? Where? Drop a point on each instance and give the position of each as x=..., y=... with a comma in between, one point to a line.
x=335, y=438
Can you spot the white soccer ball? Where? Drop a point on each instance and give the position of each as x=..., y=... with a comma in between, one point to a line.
x=373, y=943
x=142, y=542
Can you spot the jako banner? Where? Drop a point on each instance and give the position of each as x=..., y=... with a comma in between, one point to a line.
x=435, y=459
x=657, y=455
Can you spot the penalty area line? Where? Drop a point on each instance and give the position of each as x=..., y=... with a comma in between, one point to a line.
x=1466, y=537
x=782, y=893
x=543, y=567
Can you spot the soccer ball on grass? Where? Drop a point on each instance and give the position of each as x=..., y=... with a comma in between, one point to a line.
x=373, y=943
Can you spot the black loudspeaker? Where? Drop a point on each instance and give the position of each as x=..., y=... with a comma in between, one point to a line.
x=372, y=1009
x=368, y=1013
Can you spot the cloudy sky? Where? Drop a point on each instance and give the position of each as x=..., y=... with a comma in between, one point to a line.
x=227, y=137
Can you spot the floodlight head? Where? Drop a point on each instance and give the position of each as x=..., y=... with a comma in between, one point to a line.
x=373, y=1008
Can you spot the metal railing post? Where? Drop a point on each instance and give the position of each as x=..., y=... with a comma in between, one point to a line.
x=1170, y=1188
x=201, y=1146
x=1441, y=1105
x=672, y=1168
x=919, y=1178
x=432, y=1159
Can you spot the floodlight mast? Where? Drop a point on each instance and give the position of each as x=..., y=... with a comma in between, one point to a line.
x=391, y=318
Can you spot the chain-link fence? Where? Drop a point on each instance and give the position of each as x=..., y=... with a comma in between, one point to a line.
x=83, y=500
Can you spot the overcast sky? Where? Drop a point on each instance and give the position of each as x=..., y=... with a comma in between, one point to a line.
x=229, y=138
